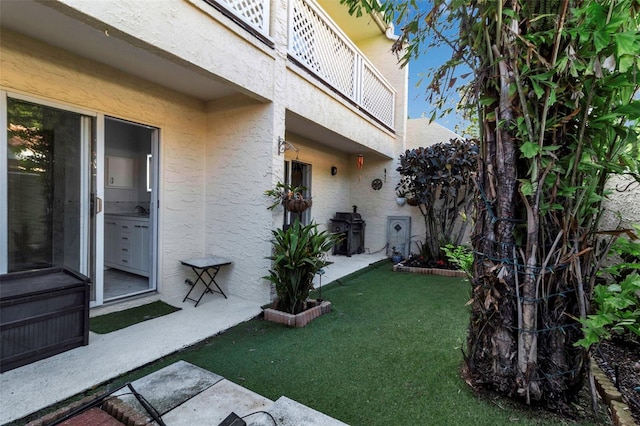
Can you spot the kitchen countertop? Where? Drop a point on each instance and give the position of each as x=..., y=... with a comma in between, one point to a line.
x=131, y=215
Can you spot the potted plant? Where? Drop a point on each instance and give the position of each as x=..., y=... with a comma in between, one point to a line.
x=402, y=190
x=298, y=255
x=396, y=256
x=291, y=197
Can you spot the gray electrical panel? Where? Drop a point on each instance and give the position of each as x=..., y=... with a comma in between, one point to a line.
x=399, y=235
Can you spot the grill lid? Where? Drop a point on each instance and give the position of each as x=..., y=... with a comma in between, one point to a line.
x=347, y=217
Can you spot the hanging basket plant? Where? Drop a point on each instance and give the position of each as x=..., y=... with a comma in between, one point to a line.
x=291, y=198
x=296, y=203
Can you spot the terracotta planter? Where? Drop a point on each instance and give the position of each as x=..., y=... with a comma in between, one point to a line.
x=298, y=320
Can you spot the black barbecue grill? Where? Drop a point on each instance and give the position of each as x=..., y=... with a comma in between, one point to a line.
x=351, y=227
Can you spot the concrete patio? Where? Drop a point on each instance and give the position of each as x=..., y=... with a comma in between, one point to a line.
x=30, y=388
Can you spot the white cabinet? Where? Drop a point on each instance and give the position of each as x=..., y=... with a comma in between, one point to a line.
x=128, y=247
x=120, y=172
x=111, y=230
x=140, y=247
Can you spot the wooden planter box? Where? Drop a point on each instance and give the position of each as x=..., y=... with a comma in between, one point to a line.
x=42, y=313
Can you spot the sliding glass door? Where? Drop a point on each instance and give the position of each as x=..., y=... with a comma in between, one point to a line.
x=45, y=204
x=54, y=198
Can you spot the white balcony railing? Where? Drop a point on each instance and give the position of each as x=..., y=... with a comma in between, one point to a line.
x=253, y=12
x=319, y=45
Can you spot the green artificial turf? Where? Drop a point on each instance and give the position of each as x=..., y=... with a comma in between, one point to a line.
x=118, y=320
x=389, y=353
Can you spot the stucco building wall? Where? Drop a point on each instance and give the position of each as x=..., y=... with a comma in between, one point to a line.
x=217, y=157
x=188, y=32
x=237, y=168
x=622, y=209
x=41, y=71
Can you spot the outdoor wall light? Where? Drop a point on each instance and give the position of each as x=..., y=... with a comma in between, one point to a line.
x=334, y=170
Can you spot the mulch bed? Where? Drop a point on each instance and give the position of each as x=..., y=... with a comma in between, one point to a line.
x=620, y=360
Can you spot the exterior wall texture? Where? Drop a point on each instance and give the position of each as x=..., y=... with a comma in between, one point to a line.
x=238, y=167
x=189, y=31
x=36, y=69
x=217, y=157
x=622, y=209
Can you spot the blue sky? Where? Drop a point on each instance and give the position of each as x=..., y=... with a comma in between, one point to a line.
x=418, y=82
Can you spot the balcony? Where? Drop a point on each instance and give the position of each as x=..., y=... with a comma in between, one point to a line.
x=255, y=13
x=317, y=44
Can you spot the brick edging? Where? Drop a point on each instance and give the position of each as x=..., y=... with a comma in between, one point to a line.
x=112, y=406
x=125, y=413
x=429, y=271
x=61, y=412
x=299, y=320
x=620, y=413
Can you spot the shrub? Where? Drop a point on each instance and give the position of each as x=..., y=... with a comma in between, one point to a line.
x=298, y=254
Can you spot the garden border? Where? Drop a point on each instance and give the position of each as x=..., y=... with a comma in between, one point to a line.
x=620, y=412
x=429, y=271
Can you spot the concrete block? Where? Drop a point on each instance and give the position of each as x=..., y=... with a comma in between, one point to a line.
x=288, y=412
x=214, y=404
x=169, y=387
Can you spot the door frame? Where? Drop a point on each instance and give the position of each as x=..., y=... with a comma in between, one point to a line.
x=92, y=235
x=307, y=174
x=153, y=205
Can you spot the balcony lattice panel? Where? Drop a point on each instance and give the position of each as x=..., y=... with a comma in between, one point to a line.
x=376, y=97
x=254, y=12
x=320, y=49
x=317, y=43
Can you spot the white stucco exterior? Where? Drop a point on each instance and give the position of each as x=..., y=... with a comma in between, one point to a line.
x=621, y=209
x=221, y=98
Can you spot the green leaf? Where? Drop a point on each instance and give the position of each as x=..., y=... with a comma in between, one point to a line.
x=552, y=97
x=626, y=43
x=529, y=149
x=539, y=91
x=625, y=63
x=600, y=40
x=487, y=101
x=526, y=187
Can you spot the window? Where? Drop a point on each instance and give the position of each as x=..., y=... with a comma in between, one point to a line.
x=298, y=174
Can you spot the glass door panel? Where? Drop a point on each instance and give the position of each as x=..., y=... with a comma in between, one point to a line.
x=298, y=174
x=44, y=193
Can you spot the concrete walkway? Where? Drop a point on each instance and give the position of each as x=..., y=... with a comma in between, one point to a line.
x=30, y=388
x=184, y=394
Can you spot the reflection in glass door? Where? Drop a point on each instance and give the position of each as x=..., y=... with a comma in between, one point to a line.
x=47, y=209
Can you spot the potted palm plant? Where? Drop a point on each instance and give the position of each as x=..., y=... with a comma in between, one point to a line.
x=298, y=254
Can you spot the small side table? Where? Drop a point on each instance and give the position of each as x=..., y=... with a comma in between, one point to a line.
x=209, y=266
